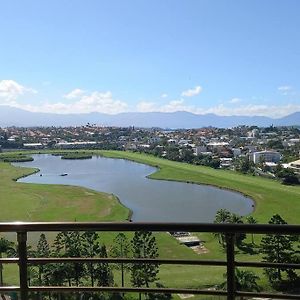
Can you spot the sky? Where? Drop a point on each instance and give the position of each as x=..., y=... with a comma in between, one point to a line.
x=203, y=56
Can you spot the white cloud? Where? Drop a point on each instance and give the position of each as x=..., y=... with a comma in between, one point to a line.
x=94, y=102
x=10, y=90
x=192, y=92
x=172, y=106
x=145, y=106
x=235, y=100
x=164, y=95
x=83, y=102
x=284, y=88
x=76, y=93
x=176, y=105
x=275, y=111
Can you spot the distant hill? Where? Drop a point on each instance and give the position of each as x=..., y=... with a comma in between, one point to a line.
x=10, y=116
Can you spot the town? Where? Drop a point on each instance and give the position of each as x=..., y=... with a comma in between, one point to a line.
x=269, y=152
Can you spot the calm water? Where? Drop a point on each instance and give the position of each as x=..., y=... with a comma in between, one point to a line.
x=150, y=200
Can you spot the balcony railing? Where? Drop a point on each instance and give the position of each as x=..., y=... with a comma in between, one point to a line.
x=22, y=229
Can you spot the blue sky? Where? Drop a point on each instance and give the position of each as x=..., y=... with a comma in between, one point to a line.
x=222, y=56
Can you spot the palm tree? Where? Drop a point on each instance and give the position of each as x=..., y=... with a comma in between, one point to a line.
x=251, y=220
x=244, y=280
x=222, y=216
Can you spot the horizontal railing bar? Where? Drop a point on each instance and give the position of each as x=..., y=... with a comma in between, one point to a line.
x=147, y=290
x=125, y=289
x=9, y=289
x=137, y=226
x=9, y=260
x=266, y=265
x=268, y=295
x=37, y=261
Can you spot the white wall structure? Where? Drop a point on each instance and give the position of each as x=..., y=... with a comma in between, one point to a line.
x=265, y=156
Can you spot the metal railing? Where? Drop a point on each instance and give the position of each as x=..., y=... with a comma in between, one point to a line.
x=230, y=230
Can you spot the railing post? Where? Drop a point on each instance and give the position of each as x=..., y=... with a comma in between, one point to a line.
x=22, y=251
x=230, y=237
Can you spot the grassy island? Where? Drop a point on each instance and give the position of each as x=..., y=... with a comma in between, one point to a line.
x=15, y=157
x=76, y=155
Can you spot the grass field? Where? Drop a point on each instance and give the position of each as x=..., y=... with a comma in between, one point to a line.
x=270, y=196
x=35, y=202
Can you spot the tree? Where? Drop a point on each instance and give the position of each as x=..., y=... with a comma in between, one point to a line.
x=287, y=176
x=278, y=249
x=5, y=247
x=91, y=248
x=159, y=296
x=244, y=281
x=68, y=244
x=74, y=248
x=244, y=165
x=121, y=248
x=225, y=216
x=251, y=220
x=222, y=216
x=42, y=250
x=187, y=154
x=103, y=272
x=144, y=246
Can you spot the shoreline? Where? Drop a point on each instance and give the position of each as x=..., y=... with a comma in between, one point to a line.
x=150, y=176
x=36, y=170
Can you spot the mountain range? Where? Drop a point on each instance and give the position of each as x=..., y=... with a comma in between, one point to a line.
x=10, y=116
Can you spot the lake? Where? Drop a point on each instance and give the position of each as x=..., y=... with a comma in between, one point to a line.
x=150, y=200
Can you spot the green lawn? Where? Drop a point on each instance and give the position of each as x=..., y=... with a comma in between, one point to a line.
x=35, y=202
x=270, y=196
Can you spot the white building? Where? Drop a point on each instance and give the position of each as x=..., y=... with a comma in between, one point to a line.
x=265, y=156
x=199, y=150
x=33, y=145
x=295, y=165
x=236, y=152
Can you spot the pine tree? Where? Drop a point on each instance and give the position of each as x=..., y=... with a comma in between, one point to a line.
x=91, y=248
x=278, y=249
x=121, y=248
x=103, y=272
x=144, y=246
x=42, y=250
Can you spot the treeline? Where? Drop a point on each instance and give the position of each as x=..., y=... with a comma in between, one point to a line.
x=87, y=244
x=182, y=154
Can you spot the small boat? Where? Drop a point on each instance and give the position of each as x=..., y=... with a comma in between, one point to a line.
x=64, y=174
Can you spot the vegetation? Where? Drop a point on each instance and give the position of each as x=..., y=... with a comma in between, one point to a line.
x=245, y=281
x=279, y=249
x=87, y=244
x=76, y=155
x=225, y=216
x=269, y=195
x=144, y=246
x=13, y=157
x=39, y=202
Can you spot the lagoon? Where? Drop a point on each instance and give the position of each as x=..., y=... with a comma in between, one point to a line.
x=149, y=200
